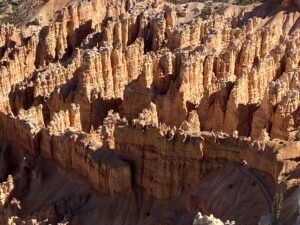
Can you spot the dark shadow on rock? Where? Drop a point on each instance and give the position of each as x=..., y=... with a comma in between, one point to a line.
x=245, y=117
x=101, y=107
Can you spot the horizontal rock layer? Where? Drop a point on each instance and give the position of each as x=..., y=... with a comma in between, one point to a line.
x=153, y=94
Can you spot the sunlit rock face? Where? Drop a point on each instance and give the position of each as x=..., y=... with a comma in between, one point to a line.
x=148, y=112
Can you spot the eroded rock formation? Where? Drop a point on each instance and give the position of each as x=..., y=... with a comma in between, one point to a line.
x=151, y=100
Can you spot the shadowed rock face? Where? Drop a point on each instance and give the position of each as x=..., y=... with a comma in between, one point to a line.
x=152, y=111
x=290, y=4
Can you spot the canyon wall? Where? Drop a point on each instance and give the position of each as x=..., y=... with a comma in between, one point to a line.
x=149, y=94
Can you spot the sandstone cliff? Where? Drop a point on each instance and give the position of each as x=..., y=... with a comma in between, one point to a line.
x=148, y=99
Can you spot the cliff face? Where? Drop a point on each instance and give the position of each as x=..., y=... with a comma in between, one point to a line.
x=154, y=101
x=231, y=72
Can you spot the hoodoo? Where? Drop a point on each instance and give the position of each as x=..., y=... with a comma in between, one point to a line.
x=124, y=112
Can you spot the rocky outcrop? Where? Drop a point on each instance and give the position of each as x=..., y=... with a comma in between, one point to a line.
x=131, y=94
x=71, y=149
x=208, y=220
x=107, y=62
x=175, y=150
x=5, y=190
